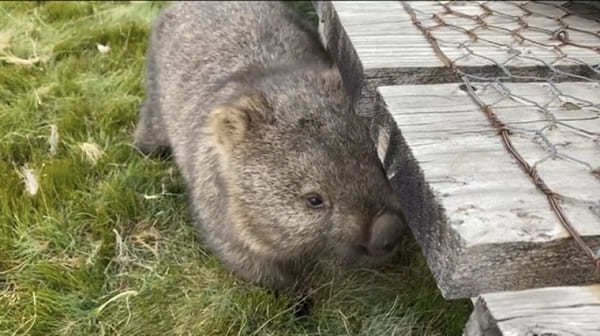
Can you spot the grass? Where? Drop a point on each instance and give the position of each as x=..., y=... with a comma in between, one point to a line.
x=105, y=244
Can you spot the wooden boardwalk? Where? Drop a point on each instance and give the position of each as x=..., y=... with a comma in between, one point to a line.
x=470, y=84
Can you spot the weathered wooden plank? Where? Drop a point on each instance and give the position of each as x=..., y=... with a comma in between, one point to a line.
x=362, y=73
x=481, y=222
x=375, y=43
x=556, y=311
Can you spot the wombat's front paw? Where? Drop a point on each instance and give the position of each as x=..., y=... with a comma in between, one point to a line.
x=302, y=308
x=301, y=305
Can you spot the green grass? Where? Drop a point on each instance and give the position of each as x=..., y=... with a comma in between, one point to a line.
x=105, y=246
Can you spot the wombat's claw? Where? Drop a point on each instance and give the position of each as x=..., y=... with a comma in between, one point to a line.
x=303, y=307
x=274, y=292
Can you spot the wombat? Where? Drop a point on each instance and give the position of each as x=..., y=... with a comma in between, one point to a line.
x=281, y=173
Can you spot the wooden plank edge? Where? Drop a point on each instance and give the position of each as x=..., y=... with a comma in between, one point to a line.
x=460, y=271
x=571, y=311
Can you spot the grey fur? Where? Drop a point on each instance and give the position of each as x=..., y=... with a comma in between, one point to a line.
x=284, y=128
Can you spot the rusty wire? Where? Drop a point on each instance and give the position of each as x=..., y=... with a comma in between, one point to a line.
x=551, y=40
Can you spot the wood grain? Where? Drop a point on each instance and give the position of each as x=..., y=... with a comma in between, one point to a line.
x=495, y=230
x=556, y=311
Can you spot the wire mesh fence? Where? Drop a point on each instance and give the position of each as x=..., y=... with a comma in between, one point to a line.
x=526, y=41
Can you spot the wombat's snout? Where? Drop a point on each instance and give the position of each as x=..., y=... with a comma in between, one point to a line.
x=386, y=233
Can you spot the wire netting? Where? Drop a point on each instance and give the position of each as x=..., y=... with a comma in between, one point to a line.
x=549, y=46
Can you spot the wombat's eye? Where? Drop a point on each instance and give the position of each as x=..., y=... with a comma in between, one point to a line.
x=314, y=200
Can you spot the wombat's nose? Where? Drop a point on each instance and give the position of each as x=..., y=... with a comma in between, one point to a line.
x=385, y=234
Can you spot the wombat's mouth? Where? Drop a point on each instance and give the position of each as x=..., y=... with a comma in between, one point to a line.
x=364, y=250
x=361, y=249
x=360, y=255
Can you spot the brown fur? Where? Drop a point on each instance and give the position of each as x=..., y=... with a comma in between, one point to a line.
x=256, y=117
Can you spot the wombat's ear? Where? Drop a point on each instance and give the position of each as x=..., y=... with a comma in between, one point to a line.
x=231, y=123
